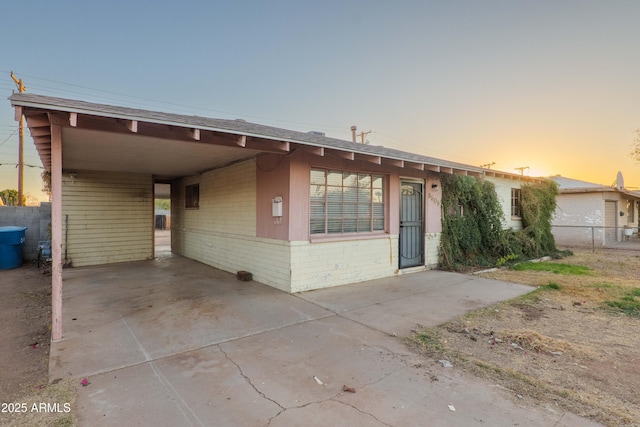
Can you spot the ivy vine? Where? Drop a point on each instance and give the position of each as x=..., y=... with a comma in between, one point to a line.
x=472, y=224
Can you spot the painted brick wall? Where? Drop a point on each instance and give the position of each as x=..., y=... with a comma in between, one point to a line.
x=110, y=217
x=266, y=259
x=431, y=245
x=222, y=231
x=319, y=265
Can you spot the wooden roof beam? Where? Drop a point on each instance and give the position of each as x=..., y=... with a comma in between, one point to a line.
x=435, y=168
x=132, y=125
x=394, y=162
x=376, y=160
x=317, y=151
x=194, y=134
x=412, y=165
x=267, y=145
x=45, y=139
x=40, y=120
x=348, y=155
x=40, y=131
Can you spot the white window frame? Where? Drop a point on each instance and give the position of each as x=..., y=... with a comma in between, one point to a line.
x=516, y=203
x=349, y=216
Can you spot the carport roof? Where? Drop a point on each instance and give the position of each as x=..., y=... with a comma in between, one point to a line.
x=234, y=139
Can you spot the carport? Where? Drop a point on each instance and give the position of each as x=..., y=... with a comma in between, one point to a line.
x=75, y=137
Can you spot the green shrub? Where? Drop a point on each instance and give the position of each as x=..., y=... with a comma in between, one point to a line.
x=472, y=219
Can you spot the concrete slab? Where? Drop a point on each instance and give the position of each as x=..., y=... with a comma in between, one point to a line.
x=174, y=342
x=200, y=388
x=395, y=305
x=130, y=313
x=268, y=379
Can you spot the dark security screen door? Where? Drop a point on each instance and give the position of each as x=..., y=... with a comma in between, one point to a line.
x=411, y=225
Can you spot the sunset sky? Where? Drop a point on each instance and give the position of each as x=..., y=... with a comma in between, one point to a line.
x=553, y=85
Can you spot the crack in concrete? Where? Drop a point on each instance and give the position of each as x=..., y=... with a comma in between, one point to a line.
x=340, y=393
x=248, y=380
x=363, y=412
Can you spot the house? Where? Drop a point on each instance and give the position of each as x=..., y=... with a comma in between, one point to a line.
x=298, y=210
x=589, y=214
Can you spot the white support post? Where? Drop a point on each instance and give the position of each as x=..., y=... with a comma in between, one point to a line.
x=56, y=232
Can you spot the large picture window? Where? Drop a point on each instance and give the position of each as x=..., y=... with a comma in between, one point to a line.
x=346, y=202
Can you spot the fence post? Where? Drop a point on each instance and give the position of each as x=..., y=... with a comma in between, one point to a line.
x=593, y=241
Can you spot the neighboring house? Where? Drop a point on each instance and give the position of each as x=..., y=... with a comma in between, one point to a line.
x=298, y=210
x=593, y=214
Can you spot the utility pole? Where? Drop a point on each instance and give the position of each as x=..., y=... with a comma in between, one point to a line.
x=522, y=169
x=488, y=165
x=363, y=134
x=21, y=89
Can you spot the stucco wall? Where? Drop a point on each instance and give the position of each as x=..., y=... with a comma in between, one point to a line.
x=110, y=217
x=574, y=215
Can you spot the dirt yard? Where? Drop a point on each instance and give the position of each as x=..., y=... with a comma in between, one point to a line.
x=572, y=343
x=25, y=319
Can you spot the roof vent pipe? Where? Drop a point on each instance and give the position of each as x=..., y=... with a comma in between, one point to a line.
x=353, y=133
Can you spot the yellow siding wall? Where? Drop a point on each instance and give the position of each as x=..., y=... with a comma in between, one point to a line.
x=222, y=231
x=110, y=217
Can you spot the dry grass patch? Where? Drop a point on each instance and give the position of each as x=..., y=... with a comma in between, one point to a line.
x=564, y=344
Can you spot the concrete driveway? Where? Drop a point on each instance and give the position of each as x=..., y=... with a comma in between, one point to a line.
x=173, y=342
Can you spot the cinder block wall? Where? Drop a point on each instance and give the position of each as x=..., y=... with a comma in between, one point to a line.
x=37, y=220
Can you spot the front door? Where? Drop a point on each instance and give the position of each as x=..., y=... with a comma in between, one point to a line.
x=411, y=251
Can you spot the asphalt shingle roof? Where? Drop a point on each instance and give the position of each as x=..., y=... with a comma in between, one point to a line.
x=240, y=127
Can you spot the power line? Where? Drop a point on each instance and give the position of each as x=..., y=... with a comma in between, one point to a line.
x=192, y=108
x=9, y=137
x=15, y=165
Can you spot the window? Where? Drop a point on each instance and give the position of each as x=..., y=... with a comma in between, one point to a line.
x=346, y=202
x=192, y=196
x=516, y=198
x=630, y=211
x=456, y=210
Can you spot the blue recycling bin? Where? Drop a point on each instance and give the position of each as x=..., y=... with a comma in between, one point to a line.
x=11, y=240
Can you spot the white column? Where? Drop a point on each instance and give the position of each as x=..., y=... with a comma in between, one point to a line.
x=56, y=232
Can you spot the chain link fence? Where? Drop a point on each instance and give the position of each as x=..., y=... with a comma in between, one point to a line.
x=597, y=237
